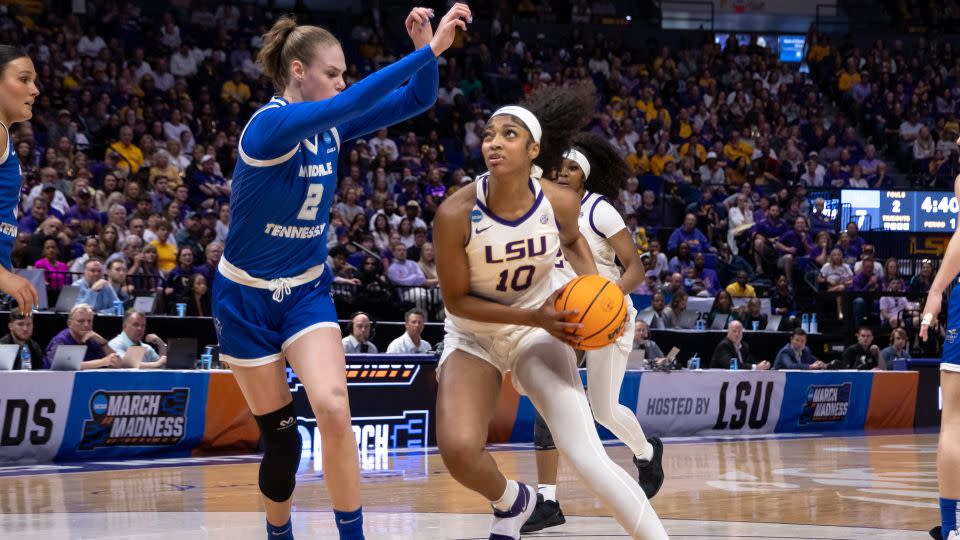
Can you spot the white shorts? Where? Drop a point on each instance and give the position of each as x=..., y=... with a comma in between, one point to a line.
x=501, y=349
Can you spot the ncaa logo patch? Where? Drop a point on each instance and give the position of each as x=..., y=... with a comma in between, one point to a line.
x=476, y=215
x=951, y=335
x=326, y=138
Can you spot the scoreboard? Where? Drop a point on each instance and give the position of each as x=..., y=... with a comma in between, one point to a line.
x=903, y=211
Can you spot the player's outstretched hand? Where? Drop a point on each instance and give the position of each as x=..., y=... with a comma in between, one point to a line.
x=20, y=289
x=931, y=310
x=554, y=322
x=458, y=17
x=418, y=26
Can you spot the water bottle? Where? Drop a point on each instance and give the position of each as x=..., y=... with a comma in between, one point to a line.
x=118, y=308
x=206, y=358
x=694, y=363
x=25, y=362
x=181, y=310
x=701, y=325
x=733, y=363
x=813, y=324
x=805, y=323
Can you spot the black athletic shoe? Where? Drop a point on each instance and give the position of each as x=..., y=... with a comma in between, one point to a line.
x=936, y=533
x=546, y=514
x=650, y=473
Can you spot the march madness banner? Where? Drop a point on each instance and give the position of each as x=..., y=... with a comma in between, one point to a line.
x=33, y=414
x=831, y=401
x=684, y=403
x=120, y=415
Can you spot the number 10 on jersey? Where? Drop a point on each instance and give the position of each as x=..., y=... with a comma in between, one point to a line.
x=522, y=278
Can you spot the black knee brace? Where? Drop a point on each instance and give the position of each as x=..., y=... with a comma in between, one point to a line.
x=281, y=453
x=542, y=438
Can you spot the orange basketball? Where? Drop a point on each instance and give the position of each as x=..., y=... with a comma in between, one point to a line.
x=600, y=308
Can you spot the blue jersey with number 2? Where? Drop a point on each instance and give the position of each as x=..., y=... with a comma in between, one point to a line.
x=286, y=178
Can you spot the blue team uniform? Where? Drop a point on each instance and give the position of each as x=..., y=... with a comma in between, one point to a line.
x=272, y=283
x=951, y=343
x=11, y=179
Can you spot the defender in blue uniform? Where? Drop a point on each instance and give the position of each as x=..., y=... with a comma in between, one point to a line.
x=18, y=89
x=948, y=451
x=272, y=299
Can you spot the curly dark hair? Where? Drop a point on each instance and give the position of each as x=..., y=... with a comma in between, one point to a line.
x=562, y=112
x=608, y=171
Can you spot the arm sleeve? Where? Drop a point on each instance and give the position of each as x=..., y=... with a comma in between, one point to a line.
x=276, y=130
x=605, y=219
x=403, y=103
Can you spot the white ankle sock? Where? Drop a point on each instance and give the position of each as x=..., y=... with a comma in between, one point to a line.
x=647, y=453
x=548, y=491
x=505, y=502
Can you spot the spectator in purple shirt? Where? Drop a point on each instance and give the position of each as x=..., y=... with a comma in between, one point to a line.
x=79, y=331
x=866, y=280
x=38, y=212
x=689, y=233
x=402, y=271
x=90, y=219
x=793, y=245
x=856, y=241
x=836, y=176
x=702, y=280
x=768, y=231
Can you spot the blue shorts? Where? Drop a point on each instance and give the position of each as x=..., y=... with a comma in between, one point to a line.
x=951, y=342
x=254, y=329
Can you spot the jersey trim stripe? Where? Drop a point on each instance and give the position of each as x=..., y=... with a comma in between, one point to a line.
x=592, y=224
x=275, y=103
x=518, y=221
x=336, y=136
x=6, y=148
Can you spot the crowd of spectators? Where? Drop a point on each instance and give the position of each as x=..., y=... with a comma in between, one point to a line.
x=129, y=157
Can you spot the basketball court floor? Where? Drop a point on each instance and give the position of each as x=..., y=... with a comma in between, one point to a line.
x=771, y=487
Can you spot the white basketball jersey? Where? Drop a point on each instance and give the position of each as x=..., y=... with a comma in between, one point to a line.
x=511, y=262
x=599, y=220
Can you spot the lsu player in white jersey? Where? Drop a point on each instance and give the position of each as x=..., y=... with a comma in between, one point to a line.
x=18, y=90
x=594, y=170
x=496, y=243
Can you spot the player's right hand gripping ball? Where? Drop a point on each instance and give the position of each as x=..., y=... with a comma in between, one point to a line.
x=601, y=309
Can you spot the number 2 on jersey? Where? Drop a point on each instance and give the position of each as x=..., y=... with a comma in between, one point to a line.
x=526, y=271
x=310, y=206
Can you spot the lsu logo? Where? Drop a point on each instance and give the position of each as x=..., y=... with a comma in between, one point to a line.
x=826, y=403
x=951, y=335
x=543, y=219
x=135, y=418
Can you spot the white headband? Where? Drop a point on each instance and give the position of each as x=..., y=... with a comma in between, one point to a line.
x=525, y=116
x=575, y=155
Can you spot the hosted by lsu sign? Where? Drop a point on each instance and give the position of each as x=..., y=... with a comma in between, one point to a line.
x=710, y=402
x=33, y=414
x=115, y=415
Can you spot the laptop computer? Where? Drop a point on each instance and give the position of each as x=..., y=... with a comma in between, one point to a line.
x=133, y=357
x=67, y=299
x=182, y=353
x=68, y=357
x=144, y=304
x=688, y=319
x=719, y=321
x=646, y=316
x=773, y=323
x=8, y=355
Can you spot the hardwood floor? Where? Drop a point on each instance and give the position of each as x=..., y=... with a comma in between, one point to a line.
x=817, y=487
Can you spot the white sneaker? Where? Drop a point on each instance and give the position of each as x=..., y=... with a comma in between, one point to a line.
x=954, y=535
x=506, y=525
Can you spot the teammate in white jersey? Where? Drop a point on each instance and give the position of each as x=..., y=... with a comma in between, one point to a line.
x=496, y=245
x=18, y=90
x=594, y=170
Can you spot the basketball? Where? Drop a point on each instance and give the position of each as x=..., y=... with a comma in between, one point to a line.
x=600, y=309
